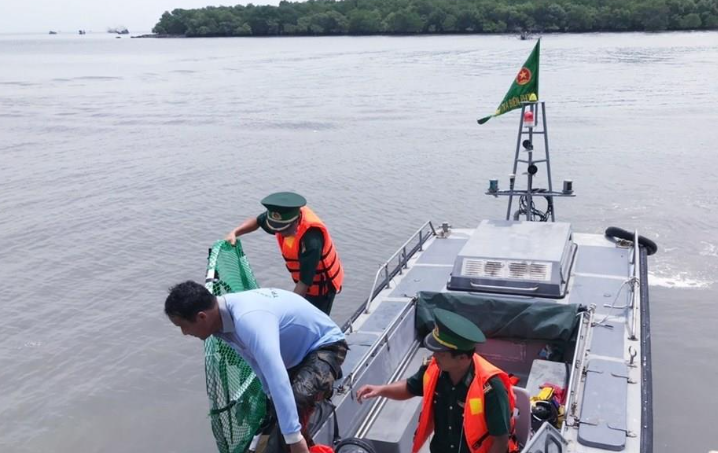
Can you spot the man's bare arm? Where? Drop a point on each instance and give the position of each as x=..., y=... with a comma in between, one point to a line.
x=247, y=226
x=396, y=391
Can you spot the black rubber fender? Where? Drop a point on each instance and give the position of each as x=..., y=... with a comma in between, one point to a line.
x=354, y=444
x=650, y=246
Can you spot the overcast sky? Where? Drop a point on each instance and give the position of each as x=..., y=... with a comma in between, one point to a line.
x=94, y=15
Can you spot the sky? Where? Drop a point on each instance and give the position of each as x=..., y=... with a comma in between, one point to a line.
x=24, y=16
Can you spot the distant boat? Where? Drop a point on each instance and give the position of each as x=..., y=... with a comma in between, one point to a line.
x=81, y=32
x=119, y=30
x=53, y=32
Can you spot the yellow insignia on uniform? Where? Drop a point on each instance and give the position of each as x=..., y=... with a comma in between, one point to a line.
x=426, y=379
x=476, y=406
x=275, y=215
x=289, y=240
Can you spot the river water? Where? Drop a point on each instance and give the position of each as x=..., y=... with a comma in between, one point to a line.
x=122, y=160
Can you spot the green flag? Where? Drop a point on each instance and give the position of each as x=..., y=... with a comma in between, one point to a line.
x=525, y=87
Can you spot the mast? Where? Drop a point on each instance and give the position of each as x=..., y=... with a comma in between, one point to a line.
x=532, y=114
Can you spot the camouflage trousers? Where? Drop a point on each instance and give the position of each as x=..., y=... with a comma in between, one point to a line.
x=312, y=381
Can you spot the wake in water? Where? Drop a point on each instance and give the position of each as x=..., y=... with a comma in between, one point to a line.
x=681, y=280
x=709, y=249
x=680, y=268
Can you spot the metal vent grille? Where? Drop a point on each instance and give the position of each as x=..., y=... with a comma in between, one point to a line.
x=540, y=271
x=513, y=270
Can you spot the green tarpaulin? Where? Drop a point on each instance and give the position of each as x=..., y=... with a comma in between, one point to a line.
x=528, y=320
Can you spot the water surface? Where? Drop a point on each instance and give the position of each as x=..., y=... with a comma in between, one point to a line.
x=123, y=160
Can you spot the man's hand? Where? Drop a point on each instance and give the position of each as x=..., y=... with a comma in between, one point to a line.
x=368, y=391
x=301, y=288
x=231, y=238
x=247, y=226
x=299, y=447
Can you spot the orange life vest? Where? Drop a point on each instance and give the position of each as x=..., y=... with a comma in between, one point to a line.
x=330, y=274
x=321, y=449
x=475, y=429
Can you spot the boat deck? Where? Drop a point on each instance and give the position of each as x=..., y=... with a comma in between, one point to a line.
x=383, y=349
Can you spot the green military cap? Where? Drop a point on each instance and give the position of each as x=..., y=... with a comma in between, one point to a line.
x=453, y=332
x=282, y=209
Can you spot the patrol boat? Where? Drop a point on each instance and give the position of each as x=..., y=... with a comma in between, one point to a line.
x=566, y=313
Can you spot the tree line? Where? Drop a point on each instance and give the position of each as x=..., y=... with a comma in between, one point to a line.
x=371, y=17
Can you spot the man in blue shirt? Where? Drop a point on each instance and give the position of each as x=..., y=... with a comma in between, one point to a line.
x=295, y=350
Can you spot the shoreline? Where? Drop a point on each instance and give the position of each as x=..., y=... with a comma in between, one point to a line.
x=517, y=35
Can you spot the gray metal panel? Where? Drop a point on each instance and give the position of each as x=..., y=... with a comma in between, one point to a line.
x=608, y=341
x=442, y=251
x=422, y=278
x=603, y=413
x=546, y=372
x=501, y=239
x=359, y=343
x=602, y=260
x=382, y=315
x=598, y=290
x=377, y=369
x=393, y=429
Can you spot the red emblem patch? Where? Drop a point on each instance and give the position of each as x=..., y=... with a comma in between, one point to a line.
x=524, y=76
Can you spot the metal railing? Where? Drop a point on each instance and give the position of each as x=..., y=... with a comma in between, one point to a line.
x=402, y=256
x=636, y=285
x=378, y=406
x=577, y=364
x=348, y=381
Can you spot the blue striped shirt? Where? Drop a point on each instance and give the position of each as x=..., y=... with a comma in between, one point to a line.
x=273, y=330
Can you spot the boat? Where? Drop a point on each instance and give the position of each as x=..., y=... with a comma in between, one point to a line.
x=558, y=307
x=119, y=30
x=566, y=313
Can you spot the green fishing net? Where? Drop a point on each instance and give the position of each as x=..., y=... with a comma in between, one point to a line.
x=237, y=402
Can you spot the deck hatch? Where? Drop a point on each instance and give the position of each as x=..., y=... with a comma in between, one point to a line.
x=527, y=258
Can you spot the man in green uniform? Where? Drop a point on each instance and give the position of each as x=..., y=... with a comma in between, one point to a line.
x=471, y=401
x=305, y=244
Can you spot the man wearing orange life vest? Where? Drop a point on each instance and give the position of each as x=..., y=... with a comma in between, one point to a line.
x=467, y=402
x=305, y=244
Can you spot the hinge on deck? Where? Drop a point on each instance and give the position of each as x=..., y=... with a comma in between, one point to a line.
x=623, y=243
x=578, y=422
x=629, y=433
x=445, y=231
x=633, y=353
